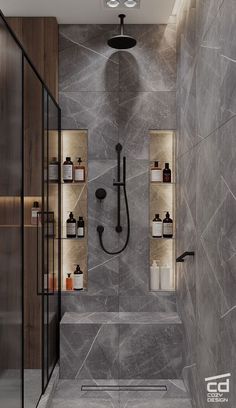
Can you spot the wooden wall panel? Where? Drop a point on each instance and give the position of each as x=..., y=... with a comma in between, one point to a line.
x=51, y=55
x=39, y=37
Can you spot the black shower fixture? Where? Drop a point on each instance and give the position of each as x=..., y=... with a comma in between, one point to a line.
x=120, y=184
x=122, y=41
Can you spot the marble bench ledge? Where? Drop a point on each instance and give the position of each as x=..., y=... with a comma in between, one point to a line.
x=121, y=318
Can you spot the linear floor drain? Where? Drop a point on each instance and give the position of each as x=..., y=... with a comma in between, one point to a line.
x=124, y=388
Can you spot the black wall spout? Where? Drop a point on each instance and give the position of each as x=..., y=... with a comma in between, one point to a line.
x=119, y=184
x=181, y=257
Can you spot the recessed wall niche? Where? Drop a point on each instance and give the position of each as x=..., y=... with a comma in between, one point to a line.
x=162, y=200
x=74, y=199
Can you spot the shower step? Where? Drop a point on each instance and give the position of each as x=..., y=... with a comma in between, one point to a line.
x=70, y=393
x=107, y=345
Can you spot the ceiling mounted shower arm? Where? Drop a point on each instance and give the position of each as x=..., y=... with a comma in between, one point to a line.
x=122, y=18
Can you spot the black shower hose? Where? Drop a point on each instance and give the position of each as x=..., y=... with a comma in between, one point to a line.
x=101, y=230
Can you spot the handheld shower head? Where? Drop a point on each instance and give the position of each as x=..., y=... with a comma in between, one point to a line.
x=122, y=41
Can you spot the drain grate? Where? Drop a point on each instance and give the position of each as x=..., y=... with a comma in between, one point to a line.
x=124, y=388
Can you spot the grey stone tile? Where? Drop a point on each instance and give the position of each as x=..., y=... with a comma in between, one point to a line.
x=168, y=403
x=150, y=351
x=226, y=362
x=140, y=112
x=88, y=303
x=97, y=112
x=219, y=240
x=87, y=66
x=151, y=65
x=208, y=76
x=69, y=392
x=103, y=269
x=93, y=36
x=151, y=302
x=211, y=188
x=207, y=11
x=89, y=351
x=134, y=277
x=141, y=318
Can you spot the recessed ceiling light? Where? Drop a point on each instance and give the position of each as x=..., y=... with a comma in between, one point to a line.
x=121, y=4
x=113, y=3
x=130, y=3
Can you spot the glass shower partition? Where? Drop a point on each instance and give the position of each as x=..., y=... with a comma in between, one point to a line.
x=11, y=220
x=29, y=228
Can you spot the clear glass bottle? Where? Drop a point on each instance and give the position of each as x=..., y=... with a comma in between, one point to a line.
x=79, y=172
x=68, y=170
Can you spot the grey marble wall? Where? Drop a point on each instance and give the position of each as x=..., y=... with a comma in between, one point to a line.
x=206, y=168
x=121, y=346
x=118, y=97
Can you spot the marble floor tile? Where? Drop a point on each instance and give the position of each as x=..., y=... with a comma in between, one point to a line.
x=70, y=395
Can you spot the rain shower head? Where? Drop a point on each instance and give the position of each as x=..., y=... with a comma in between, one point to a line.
x=122, y=41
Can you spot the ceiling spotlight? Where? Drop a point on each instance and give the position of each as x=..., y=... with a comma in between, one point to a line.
x=130, y=3
x=113, y=3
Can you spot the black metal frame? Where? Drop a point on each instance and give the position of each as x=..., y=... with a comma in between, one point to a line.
x=25, y=57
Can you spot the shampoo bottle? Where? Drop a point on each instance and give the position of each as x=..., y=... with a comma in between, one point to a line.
x=79, y=172
x=166, y=278
x=80, y=228
x=53, y=170
x=156, y=173
x=167, y=226
x=69, y=282
x=155, y=275
x=71, y=226
x=34, y=213
x=68, y=170
x=166, y=174
x=78, y=279
x=157, y=227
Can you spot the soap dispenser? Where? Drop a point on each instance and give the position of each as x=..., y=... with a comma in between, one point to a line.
x=155, y=275
x=78, y=278
x=79, y=172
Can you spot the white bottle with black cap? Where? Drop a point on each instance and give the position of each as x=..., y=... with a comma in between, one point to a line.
x=78, y=279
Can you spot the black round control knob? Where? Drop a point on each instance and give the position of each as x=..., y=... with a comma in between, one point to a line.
x=100, y=193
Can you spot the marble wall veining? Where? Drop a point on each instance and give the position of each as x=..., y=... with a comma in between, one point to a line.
x=118, y=97
x=206, y=174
